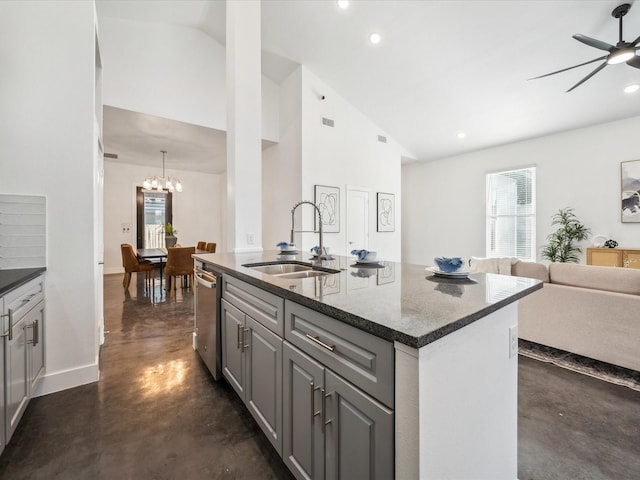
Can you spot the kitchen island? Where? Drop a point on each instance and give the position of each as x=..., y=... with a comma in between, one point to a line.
x=375, y=370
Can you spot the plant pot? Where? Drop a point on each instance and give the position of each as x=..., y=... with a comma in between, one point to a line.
x=170, y=240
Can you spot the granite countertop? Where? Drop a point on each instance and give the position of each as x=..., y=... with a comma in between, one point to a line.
x=398, y=301
x=10, y=279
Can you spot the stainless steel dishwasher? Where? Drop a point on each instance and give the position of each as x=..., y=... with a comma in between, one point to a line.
x=206, y=334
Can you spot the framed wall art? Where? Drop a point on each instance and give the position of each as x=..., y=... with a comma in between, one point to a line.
x=630, y=175
x=328, y=201
x=386, y=212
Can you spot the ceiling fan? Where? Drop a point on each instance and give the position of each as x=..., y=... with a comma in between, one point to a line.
x=618, y=53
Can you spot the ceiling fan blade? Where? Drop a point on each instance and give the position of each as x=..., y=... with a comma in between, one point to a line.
x=634, y=62
x=592, y=42
x=635, y=42
x=600, y=67
x=569, y=68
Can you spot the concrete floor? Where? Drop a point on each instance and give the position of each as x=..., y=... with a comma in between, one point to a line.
x=157, y=414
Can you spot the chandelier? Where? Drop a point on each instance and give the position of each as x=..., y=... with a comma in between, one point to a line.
x=162, y=183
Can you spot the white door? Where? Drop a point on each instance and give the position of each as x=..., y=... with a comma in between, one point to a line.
x=98, y=197
x=357, y=219
x=98, y=230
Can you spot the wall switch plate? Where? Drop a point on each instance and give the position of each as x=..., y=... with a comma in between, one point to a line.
x=513, y=341
x=251, y=238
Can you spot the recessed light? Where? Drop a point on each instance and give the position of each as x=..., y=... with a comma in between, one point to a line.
x=461, y=135
x=375, y=38
x=632, y=88
x=343, y=3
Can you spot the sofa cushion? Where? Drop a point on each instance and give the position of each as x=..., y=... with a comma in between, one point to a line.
x=501, y=266
x=535, y=270
x=609, y=279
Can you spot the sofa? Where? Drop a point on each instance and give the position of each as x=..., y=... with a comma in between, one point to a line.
x=587, y=310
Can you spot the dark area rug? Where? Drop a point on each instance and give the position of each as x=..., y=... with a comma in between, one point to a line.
x=587, y=366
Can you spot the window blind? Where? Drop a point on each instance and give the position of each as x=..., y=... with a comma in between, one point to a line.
x=511, y=214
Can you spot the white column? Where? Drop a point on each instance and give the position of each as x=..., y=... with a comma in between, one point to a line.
x=244, y=124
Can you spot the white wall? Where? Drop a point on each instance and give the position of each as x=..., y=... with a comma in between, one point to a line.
x=46, y=146
x=349, y=154
x=197, y=211
x=444, y=201
x=310, y=153
x=281, y=167
x=172, y=72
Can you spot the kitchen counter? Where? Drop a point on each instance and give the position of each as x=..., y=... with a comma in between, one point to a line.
x=454, y=362
x=397, y=302
x=10, y=279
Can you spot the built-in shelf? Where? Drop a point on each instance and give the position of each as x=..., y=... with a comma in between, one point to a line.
x=23, y=239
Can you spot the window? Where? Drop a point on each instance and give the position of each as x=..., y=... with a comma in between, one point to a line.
x=511, y=214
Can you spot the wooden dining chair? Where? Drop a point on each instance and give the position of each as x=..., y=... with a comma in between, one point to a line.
x=131, y=264
x=201, y=246
x=179, y=263
x=211, y=247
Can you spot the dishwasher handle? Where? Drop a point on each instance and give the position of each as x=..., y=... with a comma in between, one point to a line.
x=205, y=279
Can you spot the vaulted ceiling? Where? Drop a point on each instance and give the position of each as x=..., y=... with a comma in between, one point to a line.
x=442, y=67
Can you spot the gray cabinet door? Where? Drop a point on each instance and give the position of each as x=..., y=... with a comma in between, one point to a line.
x=359, y=435
x=2, y=341
x=263, y=389
x=232, y=323
x=36, y=342
x=17, y=376
x=303, y=438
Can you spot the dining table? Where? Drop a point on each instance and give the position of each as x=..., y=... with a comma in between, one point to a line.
x=154, y=254
x=158, y=254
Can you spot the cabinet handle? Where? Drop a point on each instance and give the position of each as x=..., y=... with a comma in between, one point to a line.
x=325, y=422
x=317, y=340
x=36, y=332
x=312, y=391
x=239, y=344
x=9, y=334
x=244, y=339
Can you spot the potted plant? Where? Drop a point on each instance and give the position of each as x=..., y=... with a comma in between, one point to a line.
x=170, y=233
x=562, y=245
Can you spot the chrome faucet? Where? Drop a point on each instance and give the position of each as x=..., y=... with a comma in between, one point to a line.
x=321, y=252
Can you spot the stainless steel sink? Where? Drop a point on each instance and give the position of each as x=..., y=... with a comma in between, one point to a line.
x=290, y=270
x=307, y=274
x=276, y=269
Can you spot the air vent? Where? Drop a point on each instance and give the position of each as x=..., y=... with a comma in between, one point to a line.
x=327, y=121
x=111, y=155
x=382, y=139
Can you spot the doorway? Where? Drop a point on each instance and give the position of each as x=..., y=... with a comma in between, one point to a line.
x=153, y=211
x=357, y=218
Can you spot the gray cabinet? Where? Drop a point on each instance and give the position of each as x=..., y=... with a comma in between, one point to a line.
x=233, y=359
x=252, y=363
x=21, y=328
x=365, y=360
x=2, y=376
x=263, y=393
x=17, y=371
x=324, y=396
x=331, y=428
x=303, y=449
x=359, y=433
x=35, y=346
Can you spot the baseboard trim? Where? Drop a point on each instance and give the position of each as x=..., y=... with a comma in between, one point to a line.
x=65, y=379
